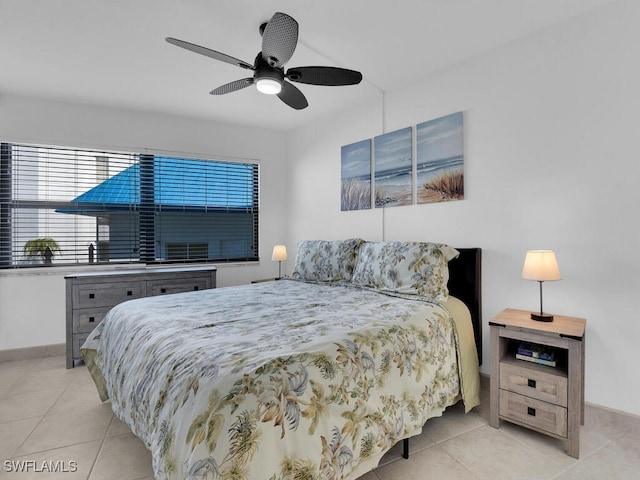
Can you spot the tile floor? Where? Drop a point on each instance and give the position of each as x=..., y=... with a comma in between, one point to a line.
x=49, y=414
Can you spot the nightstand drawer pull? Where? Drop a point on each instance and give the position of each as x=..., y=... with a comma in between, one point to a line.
x=92, y=295
x=129, y=293
x=196, y=288
x=163, y=290
x=531, y=383
x=531, y=411
x=92, y=319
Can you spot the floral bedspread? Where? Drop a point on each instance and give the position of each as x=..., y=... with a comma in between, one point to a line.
x=278, y=380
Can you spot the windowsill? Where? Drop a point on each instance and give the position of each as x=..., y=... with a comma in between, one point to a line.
x=69, y=269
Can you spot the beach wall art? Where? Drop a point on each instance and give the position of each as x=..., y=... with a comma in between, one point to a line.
x=382, y=171
x=356, y=176
x=393, y=168
x=440, y=159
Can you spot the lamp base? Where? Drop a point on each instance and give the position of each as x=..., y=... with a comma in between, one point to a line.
x=541, y=317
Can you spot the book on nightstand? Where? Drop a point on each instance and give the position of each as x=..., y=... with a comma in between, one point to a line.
x=541, y=354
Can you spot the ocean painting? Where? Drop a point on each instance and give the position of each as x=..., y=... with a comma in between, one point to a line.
x=393, y=169
x=356, y=176
x=440, y=159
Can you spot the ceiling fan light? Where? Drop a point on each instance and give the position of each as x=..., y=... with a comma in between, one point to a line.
x=269, y=86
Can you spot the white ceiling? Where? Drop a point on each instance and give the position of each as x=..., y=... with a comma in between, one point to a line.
x=113, y=52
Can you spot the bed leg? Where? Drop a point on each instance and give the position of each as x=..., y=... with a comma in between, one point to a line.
x=405, y=448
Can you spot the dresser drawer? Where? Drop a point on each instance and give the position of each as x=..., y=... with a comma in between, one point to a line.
x=106, y=294
x=78, y=341
x=85, y=320
x=161, y=287
x=533, y=382
x=533, y=413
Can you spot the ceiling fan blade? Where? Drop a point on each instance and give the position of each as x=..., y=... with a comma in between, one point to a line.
x=279, y=39
x=209, y=53
x=292, y=96
x=332, y=76
x=232, y=86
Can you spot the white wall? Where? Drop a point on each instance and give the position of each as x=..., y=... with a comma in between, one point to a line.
x=551, y=161
x=32, y=309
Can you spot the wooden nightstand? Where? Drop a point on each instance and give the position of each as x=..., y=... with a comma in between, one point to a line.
x=547, y=399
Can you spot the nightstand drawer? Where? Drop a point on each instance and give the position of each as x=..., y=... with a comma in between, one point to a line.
x=532, y=382
x=533, y=413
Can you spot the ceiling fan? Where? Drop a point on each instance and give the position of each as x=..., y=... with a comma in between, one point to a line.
x=279, y=39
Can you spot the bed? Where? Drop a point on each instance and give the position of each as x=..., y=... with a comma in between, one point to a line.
x=314, y=376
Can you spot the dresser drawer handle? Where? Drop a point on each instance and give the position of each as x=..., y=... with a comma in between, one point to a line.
x=92, y=295
x=196, y=288
x=163, y=290
x=129, y=293
x=92, y=319
x=531, y=383
x=531, y=411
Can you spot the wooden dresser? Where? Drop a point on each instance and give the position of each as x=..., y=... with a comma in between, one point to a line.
x=91, y=295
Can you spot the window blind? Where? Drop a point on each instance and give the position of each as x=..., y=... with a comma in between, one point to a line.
x=64, y=206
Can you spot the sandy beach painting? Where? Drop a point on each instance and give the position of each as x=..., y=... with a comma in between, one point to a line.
x=440, y=159
x=393, y=172
x=356, y=176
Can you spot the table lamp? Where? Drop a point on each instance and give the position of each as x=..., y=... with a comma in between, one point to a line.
x=541, y=266
x=279, y=255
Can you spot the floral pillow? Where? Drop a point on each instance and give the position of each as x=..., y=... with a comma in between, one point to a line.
x=405, y=267
x=326, y=261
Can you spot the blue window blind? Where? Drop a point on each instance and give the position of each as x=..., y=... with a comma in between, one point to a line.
x=106, y=207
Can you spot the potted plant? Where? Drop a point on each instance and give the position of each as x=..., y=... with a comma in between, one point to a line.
x=44, y=248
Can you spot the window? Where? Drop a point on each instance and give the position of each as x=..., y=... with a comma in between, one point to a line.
x=66, y=206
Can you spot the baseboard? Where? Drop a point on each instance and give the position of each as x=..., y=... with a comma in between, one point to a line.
x=613, y=410
x=27, y=353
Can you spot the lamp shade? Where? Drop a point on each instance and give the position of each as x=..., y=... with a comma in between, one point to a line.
x=541, y=265
x=279, y=253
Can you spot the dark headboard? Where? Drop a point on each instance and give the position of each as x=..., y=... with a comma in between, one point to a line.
x=465, y=283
